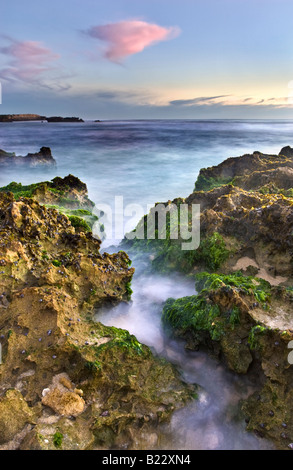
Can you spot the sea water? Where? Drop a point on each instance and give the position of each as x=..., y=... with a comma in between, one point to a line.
x=143, y=161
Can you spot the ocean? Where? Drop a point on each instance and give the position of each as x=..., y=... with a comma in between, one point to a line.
x=143, y=161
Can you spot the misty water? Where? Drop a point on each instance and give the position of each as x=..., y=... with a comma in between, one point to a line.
x=213, y=421
x=142, y=161
x=147, y=162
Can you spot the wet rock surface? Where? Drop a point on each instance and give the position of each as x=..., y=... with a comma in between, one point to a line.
x=66, y=381
x=31, y=160
x=242, y=311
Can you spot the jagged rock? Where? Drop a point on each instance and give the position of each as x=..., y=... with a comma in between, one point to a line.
x=42, y=158
x=267, y=180
x=14, y=415
x=64, y=403
x=68, y=195
x=53, y=280
x=226, y=171
x=287, y=151
x=246, y=227
x=250, y=218
x=248, y=324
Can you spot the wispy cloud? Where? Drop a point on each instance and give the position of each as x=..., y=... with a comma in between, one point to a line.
x=129, y=37
x=156, y=99
x=230, y=100
x=32, y=63
x=135, y=97
x=203, y=100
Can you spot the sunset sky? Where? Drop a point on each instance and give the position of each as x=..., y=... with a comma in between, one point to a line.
x=147, y=59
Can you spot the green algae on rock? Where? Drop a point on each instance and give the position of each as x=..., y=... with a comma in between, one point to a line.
x=67, y=195
x=68, y=192
x=256, y=167
x=240, y=227
x=245, y=317
x=248, y=324
x=243, y=270
x=57, y=362
x=203, y=320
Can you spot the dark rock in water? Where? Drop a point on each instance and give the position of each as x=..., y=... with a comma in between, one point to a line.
x=66, y=119
x=43, y=157
x=4, y=154
x=31, y=160
x=287, y=151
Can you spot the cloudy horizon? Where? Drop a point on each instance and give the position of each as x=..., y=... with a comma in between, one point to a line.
x=187, y=59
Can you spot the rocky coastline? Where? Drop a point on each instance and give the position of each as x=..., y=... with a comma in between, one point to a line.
x=242, y=307
x=67, y=381
x=37, y=117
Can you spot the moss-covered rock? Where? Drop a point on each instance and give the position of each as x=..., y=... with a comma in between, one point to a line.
x=59, y=361
x=255, y=168
x=247, y=323
x=166, y=253
x=243, y=309
x=67, y=195
x=247, y=223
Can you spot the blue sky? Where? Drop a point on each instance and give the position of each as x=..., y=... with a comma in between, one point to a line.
x=127, y=59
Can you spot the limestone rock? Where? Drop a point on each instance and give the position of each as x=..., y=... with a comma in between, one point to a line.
x=14, y=415
x=64, y=403
x=54, y=280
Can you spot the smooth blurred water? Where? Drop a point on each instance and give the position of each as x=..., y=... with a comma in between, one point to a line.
x=143, y=161
x=214, y=420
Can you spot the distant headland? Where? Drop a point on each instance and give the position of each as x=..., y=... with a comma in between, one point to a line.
x=36, y=117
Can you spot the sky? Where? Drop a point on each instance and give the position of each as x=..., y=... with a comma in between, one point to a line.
x=147, y=59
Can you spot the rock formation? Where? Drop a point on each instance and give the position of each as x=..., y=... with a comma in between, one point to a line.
x=31, y=160
x=243, y=308
x=66, y=381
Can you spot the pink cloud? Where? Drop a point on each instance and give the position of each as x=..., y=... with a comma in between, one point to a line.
x=130, y=37
x=28, y=60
